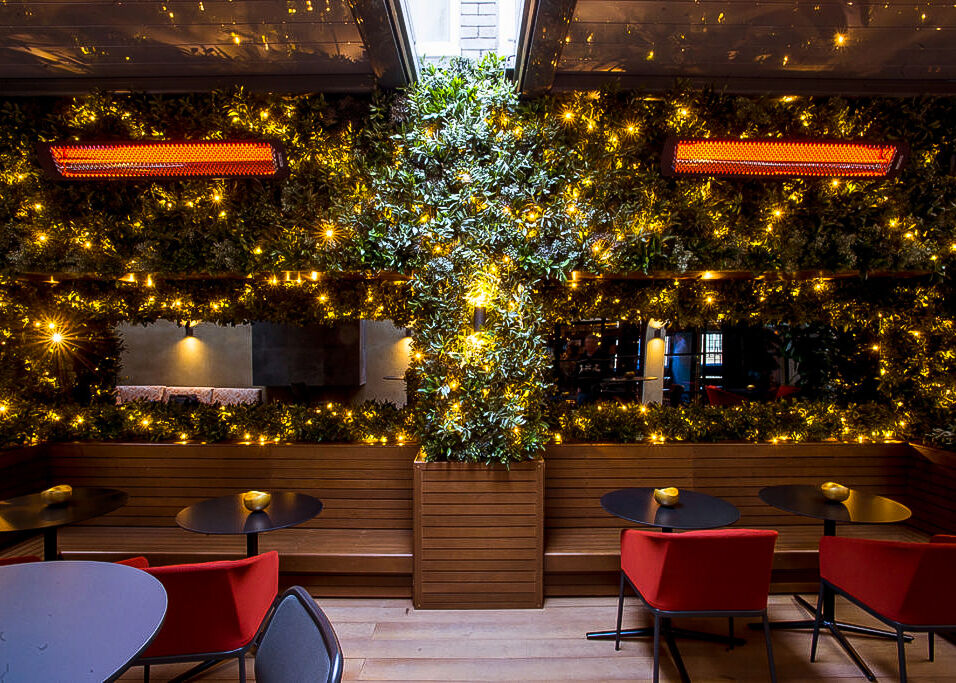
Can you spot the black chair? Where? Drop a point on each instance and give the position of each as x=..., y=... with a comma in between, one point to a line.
x=298, y=643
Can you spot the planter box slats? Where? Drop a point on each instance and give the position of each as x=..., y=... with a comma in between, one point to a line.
x=478, y=535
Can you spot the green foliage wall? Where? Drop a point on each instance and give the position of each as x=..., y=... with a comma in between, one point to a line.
x=423, y=205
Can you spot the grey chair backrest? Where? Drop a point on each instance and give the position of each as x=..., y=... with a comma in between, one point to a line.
x=298, y=644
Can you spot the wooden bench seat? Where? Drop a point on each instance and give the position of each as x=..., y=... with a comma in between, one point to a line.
x=329, y=562
x=573, y=558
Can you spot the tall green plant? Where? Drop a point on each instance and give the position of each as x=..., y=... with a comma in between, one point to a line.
x=474, y=201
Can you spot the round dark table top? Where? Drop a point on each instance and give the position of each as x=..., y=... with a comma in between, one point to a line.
x=693, y=511
x=859, y=508
x=75, y=621
x=227, y=515
x=27, y=513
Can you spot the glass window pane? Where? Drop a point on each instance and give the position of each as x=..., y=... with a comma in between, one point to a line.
x=431, y=20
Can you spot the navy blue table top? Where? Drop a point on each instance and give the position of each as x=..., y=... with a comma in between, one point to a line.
x=227, y=514
x=859, y=508
x=28, y=513
x=693, y=511
x=75, y=621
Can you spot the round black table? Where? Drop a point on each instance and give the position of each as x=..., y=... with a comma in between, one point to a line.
x=227, y=515
x=693, y=511
x=75, y=621
x=30, y=513
x=860, y=508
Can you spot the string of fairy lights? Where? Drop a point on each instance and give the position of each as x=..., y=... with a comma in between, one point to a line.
x=379, y=220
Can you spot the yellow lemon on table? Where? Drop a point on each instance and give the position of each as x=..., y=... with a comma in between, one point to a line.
x=667, y=497
x=256, y=500
x=56, y=494
x=835, y=492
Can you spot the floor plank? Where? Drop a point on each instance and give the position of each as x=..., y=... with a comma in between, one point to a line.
x=388, y=640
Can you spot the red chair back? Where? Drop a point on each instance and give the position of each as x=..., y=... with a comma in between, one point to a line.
x=714, y=570
x=718, y=397
x=138, y=562
x=785, y=390
x=911, y=583
x=4, y=561
x=214, y=606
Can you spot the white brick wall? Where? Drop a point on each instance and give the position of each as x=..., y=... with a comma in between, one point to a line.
x=479, y=27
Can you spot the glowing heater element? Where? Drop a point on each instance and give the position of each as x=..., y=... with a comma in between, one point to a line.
x=128, y=160
x=756, y=158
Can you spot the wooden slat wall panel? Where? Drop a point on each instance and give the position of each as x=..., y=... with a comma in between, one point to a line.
x=361, y=487
x=22, y=471
x=360, y=545
x=478, y=535
x=581, y=538
x=932, y=490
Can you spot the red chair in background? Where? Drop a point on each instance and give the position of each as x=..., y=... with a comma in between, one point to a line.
x=138, y=562
x=720, y=397
x=214, y=611
x=908, y=586
x=714, y=573
x=4, y=561
x=785, y=391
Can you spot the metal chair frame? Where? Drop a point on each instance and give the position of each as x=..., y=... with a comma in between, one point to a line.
x=662, y=625
x=897, y=626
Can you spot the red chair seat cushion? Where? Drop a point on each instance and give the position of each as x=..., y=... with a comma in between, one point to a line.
x=214, y=606
x=911, y=583
x=714, y=570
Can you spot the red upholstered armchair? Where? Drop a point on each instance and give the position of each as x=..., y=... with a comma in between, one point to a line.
x=214, y=610
x=908, y=586
x=721, y=397
x=714, y=573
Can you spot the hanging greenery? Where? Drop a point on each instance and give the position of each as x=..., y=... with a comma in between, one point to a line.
x=455, y=196
x=26, y=422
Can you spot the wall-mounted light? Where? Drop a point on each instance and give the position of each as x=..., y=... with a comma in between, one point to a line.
x=163, y=160
x=658, y=327
x=783, y=158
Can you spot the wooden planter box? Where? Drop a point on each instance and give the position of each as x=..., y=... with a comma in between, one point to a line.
x=478, y=535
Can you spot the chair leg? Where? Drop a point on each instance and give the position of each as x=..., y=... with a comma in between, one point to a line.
x=901, y=653
x=730, y=632
x=932, y=646
x=816, y=624
x=766, y=635
x=146, y=673
x=657, y=647
x=242, y=668
x=620, y=613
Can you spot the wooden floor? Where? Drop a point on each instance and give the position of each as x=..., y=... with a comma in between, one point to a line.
x=388, y=640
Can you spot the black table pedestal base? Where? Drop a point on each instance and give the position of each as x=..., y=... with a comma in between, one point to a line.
x=668, y=632
x=49, y=544
x=836, y=628
x=252, y=544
